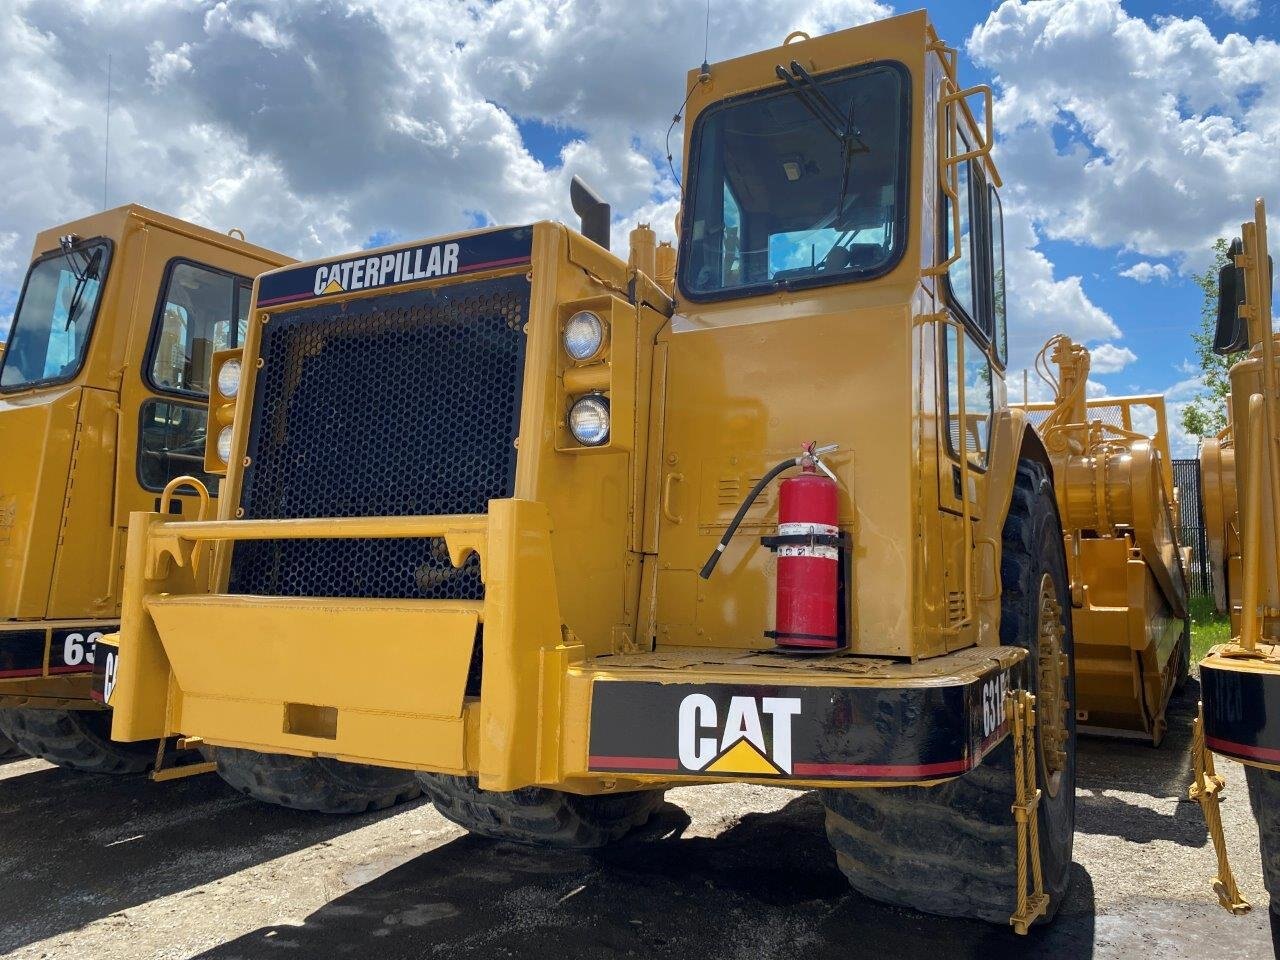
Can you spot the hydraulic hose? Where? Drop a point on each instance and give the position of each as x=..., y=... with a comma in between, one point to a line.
x=751, y=497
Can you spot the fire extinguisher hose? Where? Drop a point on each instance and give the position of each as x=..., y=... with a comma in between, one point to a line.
x=763, y=482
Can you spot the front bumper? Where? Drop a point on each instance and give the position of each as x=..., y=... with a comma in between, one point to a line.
x=48, y=663
x=1240, y=697
x=386, y=681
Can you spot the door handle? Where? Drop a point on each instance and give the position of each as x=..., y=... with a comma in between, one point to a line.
x=668, y=484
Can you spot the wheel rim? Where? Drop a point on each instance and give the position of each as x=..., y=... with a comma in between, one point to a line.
x=1051, y=697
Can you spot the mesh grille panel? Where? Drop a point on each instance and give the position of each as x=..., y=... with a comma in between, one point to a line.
x=401, y=405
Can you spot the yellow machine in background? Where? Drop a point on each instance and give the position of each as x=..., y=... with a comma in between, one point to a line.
x=475, y=481
x=1221, y=519
x=1240, y=680
x=103, y=389
x=1120, y=517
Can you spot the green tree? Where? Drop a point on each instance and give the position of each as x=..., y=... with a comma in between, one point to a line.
x=1206, y=414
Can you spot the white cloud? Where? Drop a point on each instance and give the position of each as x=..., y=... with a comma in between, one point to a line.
x=1144, y=272
x=1167, y=125
x=1185, y=389
x=1240, y=9
x=1040, y=303
x=315, y=126
x=1108, y=358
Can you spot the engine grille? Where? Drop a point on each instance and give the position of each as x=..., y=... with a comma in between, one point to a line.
x=401, y=405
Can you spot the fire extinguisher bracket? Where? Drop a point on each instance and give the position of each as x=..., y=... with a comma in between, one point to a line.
x=803, y=643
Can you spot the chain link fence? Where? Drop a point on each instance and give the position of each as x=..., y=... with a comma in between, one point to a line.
x=1186, y=477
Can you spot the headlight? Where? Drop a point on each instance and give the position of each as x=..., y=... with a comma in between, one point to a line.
x=224, y=444
x=589, y=420
x=583, y=335
x=229, y=378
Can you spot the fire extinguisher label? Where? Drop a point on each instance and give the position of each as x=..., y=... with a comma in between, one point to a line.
x=821, y=551
x=805, y=529
x=804, y=550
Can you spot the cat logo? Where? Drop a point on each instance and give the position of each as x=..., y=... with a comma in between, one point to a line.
x=109, y=676
x=738, y=745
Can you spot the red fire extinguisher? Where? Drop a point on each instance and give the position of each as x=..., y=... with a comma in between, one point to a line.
x=808, y=548
x=811, y=551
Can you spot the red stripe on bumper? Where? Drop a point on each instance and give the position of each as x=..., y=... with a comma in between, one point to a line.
x=881, y=770
x=1265, y=754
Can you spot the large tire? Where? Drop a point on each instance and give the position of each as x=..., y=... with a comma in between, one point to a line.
x=952, y=849
x=1264, y=797
x=313, y=783
x=78, y=739
x=8, y=748
x=536, y=815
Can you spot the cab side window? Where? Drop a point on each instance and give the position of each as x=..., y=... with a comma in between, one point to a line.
x=171, y=444
x=997, y=277
x=962, y=276
x=976, y=379
x=976, y=284
x=201, y=310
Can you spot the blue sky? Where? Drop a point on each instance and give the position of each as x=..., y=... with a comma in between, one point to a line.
x=1131, y=133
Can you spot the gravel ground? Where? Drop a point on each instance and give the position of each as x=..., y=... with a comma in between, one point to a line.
x=95, y=868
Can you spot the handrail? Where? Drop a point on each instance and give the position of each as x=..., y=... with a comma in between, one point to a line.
x=1257, y=278
x=948, y=180
x=177, y=483
x=948, y=56
x=1250, y=629
x=328, y=528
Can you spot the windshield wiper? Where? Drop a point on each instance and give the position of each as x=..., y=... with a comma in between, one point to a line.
x=809, y=92
x=90, y=272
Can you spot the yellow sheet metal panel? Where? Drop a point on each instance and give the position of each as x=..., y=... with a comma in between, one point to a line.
x=85, y=579
x=39, y=431
x=412, y=742
x=301, y=650
x=71, y=477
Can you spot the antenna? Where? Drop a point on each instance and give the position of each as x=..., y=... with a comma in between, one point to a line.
x=706, y=40
x=106, y=143
x=704, y=74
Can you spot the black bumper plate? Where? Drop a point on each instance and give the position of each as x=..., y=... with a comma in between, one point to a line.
x=750, y=731
x=1241, y=713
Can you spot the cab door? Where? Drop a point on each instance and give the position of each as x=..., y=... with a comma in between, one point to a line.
x=970, y=348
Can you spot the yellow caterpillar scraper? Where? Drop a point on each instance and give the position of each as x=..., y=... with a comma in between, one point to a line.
x=1119, y=509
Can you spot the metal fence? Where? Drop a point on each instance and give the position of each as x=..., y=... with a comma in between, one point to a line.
x=1186, y=477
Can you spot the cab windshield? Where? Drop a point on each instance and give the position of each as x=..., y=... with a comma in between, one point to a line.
x=798, y=186
x=50, y=330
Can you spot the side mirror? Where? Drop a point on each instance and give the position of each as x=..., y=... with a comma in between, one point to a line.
x=591, y=210
x=1232, y=334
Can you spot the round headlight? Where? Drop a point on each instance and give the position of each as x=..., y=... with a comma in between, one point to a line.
x=589, y=420
x=583, y=335
x=229, y=378
x=224, y=444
